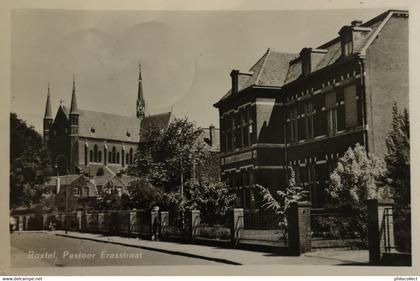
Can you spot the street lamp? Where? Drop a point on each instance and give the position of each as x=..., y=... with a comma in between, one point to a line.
x=67, y=172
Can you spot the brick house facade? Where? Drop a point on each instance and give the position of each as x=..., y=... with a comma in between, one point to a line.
x=303, y=111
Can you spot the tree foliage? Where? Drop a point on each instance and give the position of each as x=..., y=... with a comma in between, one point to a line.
x=213, y=199
x=354, y=180
x=143, y=195
x=397, y=176
x=285, y=197
x=166, y=154
x=397, y=158
x=30, y=164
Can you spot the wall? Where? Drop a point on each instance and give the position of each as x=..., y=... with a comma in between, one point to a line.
x=101, y=147
x=386, y=67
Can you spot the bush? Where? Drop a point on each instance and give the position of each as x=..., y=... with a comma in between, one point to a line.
x=352, y=183
x=214, y=200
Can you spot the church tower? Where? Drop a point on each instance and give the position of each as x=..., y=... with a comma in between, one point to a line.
x=48, y=119
x=141, y=105
x=74, y=132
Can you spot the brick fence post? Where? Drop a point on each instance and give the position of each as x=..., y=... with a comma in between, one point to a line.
x=79, y=220
x=134, y=227
x=154, y=224
x=27, y=225
x=299, y=228
x=21, y=223
x=195, y=222
x=164, y=221
x=45, y=221
x=101, y=221
x=237, y=225
x=376, y=209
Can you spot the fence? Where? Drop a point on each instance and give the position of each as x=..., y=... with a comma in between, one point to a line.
x=263, y=229
x=236, y=229
x=334, y=229
x=389, y=233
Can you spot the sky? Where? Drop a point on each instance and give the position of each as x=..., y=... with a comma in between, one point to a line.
x=186, y=56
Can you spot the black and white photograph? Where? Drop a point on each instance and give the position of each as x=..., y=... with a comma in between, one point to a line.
x=163, y=139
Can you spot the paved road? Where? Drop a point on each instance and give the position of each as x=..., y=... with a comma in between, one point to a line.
x=43, y=249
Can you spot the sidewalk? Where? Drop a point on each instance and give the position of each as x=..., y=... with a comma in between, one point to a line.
x=229, y=256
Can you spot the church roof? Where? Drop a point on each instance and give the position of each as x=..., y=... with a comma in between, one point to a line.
x=101, y=125
x=161, y=120
x=108, y=126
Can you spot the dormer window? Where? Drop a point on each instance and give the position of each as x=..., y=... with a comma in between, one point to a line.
x=92, y=130
x=128, y=134
x=347, y=45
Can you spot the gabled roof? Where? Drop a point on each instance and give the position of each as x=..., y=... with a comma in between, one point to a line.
x=64, y=180
x=210, y=143
x=269, y=71
x=367, y=33
x=161, y=120
x=101, y=125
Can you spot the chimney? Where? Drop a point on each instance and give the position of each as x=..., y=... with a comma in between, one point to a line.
x=234, y=75
x=356, y=23
x=212, y=134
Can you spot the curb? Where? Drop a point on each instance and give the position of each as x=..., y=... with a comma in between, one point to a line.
x=154, y=249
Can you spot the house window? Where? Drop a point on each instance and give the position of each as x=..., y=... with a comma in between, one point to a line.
x=86, y=155
x=131, y=156
x=320, y=128
x=127, y=159
x=341, y=119
x=113, y=154
x=122, y=157
x=86, y=191
x=100, y=156
x=118, y=158
x=91, y=156
x=75, y=191
x=110, y=157
x=95, y=153
x=350, y=102
x=292, y=128
x=348, y=48
x=347, y=44
x=301, y=120
x=330, y=104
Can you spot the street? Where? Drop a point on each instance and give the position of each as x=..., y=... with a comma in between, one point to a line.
x=43, y=250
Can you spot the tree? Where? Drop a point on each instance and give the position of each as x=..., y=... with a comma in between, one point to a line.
x=143, y=195
x=165, y=155
x=354, y=180
x=397, y=158
x=213, y=200
x=285, y=197
x=30, y=164
x=397, y=176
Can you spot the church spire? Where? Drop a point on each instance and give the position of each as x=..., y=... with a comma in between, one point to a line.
x=140, y=98
x=48, y=114
x=73, y=107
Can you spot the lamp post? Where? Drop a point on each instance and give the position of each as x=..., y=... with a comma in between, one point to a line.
x=66, y=200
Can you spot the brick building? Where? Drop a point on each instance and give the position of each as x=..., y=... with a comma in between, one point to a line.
x=305, y=110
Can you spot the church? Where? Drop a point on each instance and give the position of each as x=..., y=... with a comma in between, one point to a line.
x=96, y=142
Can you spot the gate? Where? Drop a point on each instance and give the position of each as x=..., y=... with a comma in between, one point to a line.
x=261, y=228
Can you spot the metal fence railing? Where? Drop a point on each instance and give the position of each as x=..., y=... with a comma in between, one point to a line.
x=260, y=220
